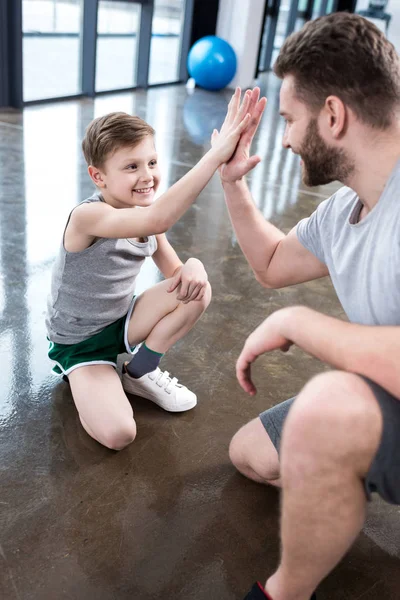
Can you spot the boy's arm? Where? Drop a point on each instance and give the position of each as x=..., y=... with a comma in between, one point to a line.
x=165, y=257
x=190, y=279
x=101, y=220
x=277, y=259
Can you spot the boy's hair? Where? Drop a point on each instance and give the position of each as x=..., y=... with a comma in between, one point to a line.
x=107, y=134
x=347, y=56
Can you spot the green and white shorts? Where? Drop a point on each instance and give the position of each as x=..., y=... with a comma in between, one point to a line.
x=100, y=349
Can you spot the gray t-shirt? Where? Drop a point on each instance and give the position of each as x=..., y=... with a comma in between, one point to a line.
x=363, y=258
x=93, y=288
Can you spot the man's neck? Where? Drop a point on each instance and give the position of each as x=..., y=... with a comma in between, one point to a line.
x=375, y=160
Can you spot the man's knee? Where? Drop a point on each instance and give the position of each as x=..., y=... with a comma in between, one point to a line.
x=335, y=417
x=253, y=454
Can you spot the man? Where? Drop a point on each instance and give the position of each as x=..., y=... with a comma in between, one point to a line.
x=338, y=440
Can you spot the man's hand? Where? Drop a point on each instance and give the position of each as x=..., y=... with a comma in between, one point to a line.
x=267, y=337
x=241, y=162
x=192, y=279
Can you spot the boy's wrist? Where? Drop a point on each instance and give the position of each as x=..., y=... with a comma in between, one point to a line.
x=213, y=157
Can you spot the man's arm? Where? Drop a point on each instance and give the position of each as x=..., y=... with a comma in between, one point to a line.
x=277, y=260
x=372, y=351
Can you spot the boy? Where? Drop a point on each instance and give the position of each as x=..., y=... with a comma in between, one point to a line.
x=92, y=313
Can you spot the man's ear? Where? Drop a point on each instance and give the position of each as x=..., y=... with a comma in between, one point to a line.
x=96, y=176
x=336, y=114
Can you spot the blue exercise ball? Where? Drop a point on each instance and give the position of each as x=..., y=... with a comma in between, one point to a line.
x=212, y=63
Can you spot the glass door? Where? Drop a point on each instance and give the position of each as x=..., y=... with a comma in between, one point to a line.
x=51, y=48
x=166, y=40
x=118, y=26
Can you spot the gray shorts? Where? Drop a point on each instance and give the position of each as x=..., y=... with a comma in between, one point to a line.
x=384, y=474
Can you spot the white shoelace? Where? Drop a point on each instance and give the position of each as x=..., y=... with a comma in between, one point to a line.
x=164, y=380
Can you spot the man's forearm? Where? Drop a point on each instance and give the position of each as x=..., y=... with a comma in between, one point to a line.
x=257, y=238
x=372, y=351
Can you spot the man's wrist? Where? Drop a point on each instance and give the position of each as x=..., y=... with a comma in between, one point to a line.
x=293, y=320
x=234, y=186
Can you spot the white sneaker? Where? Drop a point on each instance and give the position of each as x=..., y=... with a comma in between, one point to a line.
x=160, y=388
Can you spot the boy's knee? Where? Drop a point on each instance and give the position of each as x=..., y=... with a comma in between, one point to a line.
x=197, y=307
x=206, y=299
x=119, y=436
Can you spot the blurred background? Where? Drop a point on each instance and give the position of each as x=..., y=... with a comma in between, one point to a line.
x=62, y=48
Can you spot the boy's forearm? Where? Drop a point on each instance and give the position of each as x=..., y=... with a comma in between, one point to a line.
x=170, y=207
x=371, y=351
x=257, y=237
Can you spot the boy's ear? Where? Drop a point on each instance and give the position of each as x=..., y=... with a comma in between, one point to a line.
x=96, y=176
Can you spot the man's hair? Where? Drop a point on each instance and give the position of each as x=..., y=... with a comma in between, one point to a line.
x=346, y=56
x=107, y=134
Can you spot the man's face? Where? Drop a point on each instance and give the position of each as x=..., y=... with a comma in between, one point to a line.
x=321, y=163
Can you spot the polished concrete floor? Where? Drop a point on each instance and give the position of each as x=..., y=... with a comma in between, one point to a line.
x=168, y=517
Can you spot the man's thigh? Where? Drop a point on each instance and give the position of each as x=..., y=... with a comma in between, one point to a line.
x=273, y=420
x=383, y=476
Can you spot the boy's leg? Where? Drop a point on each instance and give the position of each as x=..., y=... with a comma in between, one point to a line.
x=160, y=319
x=103, y=408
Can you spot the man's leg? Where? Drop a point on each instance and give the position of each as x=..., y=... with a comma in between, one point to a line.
x=329, y=441
x=254, y=448
x=254, y=455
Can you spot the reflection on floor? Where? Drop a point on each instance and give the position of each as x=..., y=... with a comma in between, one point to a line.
x=167, y=517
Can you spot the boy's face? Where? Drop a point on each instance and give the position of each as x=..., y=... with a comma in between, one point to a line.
x=130, y=177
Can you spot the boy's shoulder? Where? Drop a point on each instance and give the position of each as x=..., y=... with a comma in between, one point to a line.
x=95, y=202
x=77, y=235
x=95, y=198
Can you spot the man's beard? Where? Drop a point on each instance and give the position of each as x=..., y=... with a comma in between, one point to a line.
x=321, y=163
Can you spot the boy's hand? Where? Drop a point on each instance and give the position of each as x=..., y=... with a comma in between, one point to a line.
x=236, y=121
x=267, y=337
x=192, y=279
x=241, y=162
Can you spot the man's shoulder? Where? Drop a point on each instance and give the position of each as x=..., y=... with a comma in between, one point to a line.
x=344, y=193
x=339, y=203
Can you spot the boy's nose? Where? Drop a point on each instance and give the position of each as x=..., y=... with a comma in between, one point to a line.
x=146, y=176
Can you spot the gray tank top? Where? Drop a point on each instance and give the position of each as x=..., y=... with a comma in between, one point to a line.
x=93, y=288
